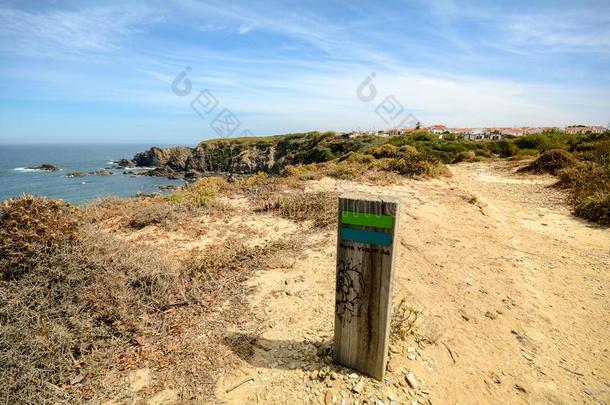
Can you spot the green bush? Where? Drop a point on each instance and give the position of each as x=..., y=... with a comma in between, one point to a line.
x=386, y=151
x=543, y=142
x=466, y=156
x=417, y=164
x=551, y=161
x=595, y=207
x=504, y=148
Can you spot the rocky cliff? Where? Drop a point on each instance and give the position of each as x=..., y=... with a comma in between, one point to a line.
x=245, y=155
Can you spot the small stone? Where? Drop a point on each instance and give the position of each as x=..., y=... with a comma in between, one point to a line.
x=393, y=364
x=333, y=375
x=358, y=387
x=412, y=380
x=330, y=398
x=490, y=315
x=521, y=388
x=314, y=374
x=353, y=376
x=410, y=349
x=411, y=356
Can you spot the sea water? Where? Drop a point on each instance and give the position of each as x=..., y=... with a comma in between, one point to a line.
x=17, y=179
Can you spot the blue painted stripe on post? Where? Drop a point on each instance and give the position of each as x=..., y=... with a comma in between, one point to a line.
x=364, y=236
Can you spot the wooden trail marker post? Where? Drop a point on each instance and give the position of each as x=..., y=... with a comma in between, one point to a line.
x=365, y=266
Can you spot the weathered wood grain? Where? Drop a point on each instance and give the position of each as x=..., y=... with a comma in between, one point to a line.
x=364, y=282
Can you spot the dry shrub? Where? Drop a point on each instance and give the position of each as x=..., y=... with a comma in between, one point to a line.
x=320, y=207
x=303, y=172
x=418, y=164
x=356, y=157
x=385, y=151
x=551, y=161
x=198, y=195
x=262, y=183
x=595, y=207
x=403, y=321
x=466, y=156
x=29, y=224
x=138, y=213
x=93, y=302
x=589, y=186
x=220, y=268
x=345, y=170
x=76, y=304
x=160, y=214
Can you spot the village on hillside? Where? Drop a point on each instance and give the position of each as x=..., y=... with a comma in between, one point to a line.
x=477, y=134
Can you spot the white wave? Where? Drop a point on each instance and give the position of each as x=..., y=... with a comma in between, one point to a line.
x=130, y=169
x=25, y=169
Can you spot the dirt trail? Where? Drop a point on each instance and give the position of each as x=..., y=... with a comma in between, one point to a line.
x=512, y=292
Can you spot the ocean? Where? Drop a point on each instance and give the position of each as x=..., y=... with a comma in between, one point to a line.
x=16, y=179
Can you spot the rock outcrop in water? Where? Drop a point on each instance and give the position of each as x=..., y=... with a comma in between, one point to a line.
x=47, y=167
x=76, y=174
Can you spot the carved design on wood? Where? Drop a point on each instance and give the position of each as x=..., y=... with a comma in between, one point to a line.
x=350, y=289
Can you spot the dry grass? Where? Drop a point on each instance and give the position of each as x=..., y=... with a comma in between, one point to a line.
x=320, y=208
x=128, y=214
x=87, y=302
x=201, y=195
x=356, y=167
x=72, y=306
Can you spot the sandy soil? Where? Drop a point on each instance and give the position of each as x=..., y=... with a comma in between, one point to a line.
x=512, y=292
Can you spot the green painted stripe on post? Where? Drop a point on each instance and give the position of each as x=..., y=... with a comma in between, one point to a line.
x=365, y=219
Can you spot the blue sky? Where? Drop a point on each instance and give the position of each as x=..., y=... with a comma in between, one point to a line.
x=82, y=71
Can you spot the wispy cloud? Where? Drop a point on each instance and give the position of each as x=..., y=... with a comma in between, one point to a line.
x=98, y=29
x=288, y=67
x=560, y=32
x=245, y=28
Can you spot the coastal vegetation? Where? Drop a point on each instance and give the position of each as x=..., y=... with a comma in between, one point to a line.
x=76, y=298
x=419, y=154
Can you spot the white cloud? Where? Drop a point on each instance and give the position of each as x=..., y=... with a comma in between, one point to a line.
x=573, y=34
x=98, y=29
x=245, y=28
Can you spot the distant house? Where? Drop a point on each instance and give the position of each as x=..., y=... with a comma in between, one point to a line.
x=437, y=129
x=577, y=129
x=598, y=129
x=402, y=131
x=477, y=134
x=461, y=131
x=533, y=131
x=512, y=132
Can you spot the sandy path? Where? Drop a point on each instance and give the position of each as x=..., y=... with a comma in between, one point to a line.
x=512, y=291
